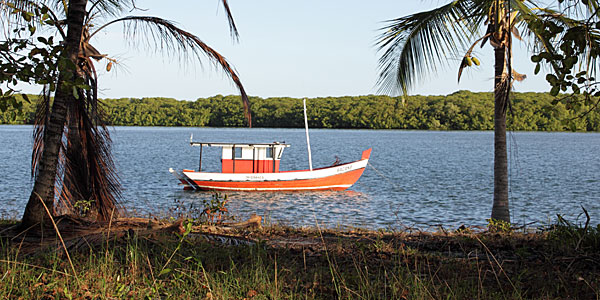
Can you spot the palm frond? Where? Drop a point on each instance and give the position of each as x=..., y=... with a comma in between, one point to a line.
x=60, y=7
x=6, y=6
x=89, y=171
x=24, y=6
x=112, y=8
x=414, y=45
x=164, y=36
x=15, y=20
x=232, y=28
x=580, y=9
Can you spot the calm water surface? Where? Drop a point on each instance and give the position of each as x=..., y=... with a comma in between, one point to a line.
x=417, y=178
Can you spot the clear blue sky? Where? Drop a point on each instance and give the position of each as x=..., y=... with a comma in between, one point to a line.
x=306, y=48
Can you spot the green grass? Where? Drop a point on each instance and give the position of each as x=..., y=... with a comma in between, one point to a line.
x=343, y=265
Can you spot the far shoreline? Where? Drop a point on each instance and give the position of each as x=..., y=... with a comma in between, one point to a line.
x=463, y=111
x=333, y=129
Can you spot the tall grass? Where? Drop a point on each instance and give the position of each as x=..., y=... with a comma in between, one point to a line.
x=187, y=266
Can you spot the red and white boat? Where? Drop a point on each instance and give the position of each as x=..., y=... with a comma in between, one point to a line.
x=255, y=167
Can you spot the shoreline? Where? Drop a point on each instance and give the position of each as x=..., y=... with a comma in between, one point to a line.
x=333, y=129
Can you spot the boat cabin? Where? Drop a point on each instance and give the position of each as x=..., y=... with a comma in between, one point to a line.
x=247, y=158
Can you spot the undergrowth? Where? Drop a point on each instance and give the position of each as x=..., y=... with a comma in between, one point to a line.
x=558, y=263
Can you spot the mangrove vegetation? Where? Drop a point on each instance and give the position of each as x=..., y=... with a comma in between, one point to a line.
x=462, y=110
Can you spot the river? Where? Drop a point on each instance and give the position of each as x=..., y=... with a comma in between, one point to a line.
x=417, y=179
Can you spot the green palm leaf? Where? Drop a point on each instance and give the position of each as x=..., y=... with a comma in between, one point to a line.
x=416, y=44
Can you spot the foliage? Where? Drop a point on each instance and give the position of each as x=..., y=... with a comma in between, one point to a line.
x=499, y=226
x=25, y=58
x=573, y=236
x=459, y=111
x=414, y=45
x=215, y=209
x=571, y=51
x=83, y=207
x=212, y=211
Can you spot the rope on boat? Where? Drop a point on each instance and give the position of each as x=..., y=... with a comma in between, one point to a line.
x=385, y=177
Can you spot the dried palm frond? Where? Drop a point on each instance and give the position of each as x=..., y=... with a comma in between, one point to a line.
x=232, y=27
x=89, y=169
x=164, y=36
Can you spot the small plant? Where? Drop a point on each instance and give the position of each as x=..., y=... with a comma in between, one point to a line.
x=379, y=246
x=575, y=236
x=211, y=211
x=83, y=207
x=464, y=229
x=215, y=209
x=499, y=226
x=181, y=210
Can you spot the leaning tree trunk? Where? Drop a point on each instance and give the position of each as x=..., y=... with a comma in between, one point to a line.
x=45, y=179
x=500, y=208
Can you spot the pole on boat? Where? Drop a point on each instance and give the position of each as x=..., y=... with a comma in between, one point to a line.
x=233, y=157
x=307, y=137
x=200, y=160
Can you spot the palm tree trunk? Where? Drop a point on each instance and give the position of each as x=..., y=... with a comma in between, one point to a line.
x=43, y=189
x=500, y=208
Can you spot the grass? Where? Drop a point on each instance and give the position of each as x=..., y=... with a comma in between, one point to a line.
x=561, y=262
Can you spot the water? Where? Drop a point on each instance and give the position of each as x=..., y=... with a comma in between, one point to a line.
x=424, y=178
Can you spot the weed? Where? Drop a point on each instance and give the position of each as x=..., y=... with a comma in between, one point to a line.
x=215, y=210
x=83, y=207
x=212, y=211
x=499, y=226
x=565, y=234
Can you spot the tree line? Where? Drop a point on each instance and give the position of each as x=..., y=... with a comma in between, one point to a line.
x=462, y=110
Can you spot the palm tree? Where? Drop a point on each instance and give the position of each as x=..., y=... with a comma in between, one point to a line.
x=71, y=156
x=49, y=132
x=418, y=43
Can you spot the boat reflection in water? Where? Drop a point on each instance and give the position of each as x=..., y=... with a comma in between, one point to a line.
x=300, y=208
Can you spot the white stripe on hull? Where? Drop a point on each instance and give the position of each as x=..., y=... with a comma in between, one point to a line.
x=275, y=188
x=282, y=176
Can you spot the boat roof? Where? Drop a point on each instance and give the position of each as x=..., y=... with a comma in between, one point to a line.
x=256, y=145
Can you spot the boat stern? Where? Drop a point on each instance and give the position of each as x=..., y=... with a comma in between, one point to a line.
x=187, y=185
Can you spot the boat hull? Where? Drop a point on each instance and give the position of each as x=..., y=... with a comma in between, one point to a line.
x=337, y=182
x=339, y=177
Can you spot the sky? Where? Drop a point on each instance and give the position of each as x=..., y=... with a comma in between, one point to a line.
x=309, y=48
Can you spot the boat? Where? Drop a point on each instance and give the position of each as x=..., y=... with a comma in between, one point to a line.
x=256, y=167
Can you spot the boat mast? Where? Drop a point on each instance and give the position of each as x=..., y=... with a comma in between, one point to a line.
x=307, y=137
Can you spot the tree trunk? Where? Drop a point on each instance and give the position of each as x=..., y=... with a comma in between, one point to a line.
x=43, y=188
x=500, y=208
